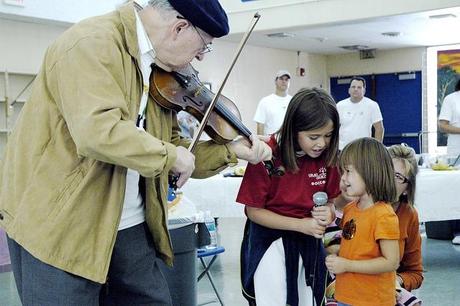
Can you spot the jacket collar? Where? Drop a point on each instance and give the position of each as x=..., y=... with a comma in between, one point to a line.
x=128, y=21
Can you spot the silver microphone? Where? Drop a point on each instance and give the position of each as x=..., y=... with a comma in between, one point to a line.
x=320, y=198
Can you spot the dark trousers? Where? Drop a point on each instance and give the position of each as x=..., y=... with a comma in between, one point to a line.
x=134, y=277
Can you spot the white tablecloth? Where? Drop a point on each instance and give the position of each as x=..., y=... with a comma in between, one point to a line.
x=437, y=196
x=216, y=194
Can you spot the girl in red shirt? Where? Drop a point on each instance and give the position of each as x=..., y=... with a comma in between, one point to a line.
x=281, y=255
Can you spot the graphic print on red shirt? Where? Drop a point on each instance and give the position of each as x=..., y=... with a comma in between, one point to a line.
x=292, y=194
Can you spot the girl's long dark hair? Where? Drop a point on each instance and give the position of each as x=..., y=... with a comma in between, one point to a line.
x=309, y=109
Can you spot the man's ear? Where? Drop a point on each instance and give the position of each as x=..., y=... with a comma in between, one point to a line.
x=180, y=25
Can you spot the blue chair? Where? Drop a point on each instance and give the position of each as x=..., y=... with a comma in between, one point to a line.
x=201, y=254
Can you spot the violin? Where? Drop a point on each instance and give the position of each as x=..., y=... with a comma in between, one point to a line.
x=183, y=91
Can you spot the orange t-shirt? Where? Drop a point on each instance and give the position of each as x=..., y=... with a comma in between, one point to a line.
x=410, y=247
x=372, y=224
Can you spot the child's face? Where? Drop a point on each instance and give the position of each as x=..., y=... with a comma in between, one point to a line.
x=352, y=182
x=315, y=142
x=400, y=176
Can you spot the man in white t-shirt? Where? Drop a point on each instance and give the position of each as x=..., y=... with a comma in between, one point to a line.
x=358, y=115
x=271, y=109
x=449, y=122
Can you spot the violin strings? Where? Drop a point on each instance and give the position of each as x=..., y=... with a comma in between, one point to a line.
x=228, y=114
x=233, y=118
x=221, y=108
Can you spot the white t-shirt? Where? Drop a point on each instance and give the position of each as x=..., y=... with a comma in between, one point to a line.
x=270, y=112
x=356, y=119
x=450, y=111
x=133, y=206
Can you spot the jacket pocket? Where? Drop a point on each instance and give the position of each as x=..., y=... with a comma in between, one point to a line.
x=71, y=183
x=5, y=219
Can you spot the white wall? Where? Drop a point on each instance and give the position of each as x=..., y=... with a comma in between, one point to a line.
x=251, y=79
x=58, y=11
x=278, y=14
x=24, y=44
x=253, y=76
x=386, y=61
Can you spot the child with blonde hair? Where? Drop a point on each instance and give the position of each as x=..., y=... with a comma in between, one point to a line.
x=410, y=272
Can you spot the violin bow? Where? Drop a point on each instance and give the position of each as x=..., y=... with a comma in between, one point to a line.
x=269, y=165
x=243, y=41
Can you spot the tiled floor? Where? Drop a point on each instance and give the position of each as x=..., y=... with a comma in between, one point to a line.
x=441, y=262
x=8, y=294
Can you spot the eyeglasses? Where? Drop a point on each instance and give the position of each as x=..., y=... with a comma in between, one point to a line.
x=206, y=46
x=401, y=178
x=349, y=229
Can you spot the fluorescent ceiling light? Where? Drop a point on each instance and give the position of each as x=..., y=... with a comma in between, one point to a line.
x=280, y=35
x=354, y=47
x=391, y=34
x=441, y=16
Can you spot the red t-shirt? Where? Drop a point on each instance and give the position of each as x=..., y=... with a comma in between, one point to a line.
x=291, y=194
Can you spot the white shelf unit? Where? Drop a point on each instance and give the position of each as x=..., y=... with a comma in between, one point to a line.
x=14, y=86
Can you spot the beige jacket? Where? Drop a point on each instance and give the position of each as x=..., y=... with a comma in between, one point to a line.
x=62, y=180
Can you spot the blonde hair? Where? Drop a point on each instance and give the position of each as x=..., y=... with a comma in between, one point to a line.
x=373, y=163
x=406, y=155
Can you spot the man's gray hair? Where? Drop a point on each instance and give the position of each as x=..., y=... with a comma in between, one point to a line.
x=161, y=4
x=165, y=8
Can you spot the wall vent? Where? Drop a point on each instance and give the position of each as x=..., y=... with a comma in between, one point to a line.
x=367, y=54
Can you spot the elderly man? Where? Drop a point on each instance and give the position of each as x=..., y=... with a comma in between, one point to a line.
x=84, y=181
x=358, y=115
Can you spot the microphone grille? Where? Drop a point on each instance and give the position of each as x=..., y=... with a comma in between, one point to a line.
x=320, y=198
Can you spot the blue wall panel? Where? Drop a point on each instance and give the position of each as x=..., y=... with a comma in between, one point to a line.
x=400, y=102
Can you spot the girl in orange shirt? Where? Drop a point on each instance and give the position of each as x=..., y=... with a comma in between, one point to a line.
x=369, y=251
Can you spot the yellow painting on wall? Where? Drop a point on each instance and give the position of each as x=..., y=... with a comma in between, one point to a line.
x=448, y=74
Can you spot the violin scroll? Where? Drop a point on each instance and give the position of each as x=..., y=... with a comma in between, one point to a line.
x=272, y=170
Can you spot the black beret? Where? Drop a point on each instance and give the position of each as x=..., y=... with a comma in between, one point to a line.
x=208, y=15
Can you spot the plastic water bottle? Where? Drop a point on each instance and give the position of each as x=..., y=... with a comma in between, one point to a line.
x=211, y=225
